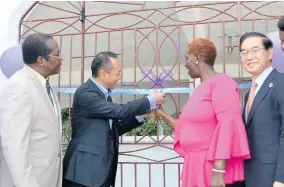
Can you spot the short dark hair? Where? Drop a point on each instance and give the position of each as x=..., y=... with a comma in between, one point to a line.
x=267, y=43
x=280, y=23
x=102, y=61
x=36, y=45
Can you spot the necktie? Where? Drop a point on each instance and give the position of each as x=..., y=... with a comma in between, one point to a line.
x=110, y=120
x=251, y=95
x=47, y=85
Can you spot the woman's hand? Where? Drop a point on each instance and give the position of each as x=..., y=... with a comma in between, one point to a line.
x=160, y=111
x=218, y=180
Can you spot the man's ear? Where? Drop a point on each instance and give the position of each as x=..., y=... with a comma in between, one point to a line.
x=102, y=74
x=270, y=53
x=40, y=61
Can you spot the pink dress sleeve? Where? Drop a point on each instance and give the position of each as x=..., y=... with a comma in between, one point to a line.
x=229, y=139
x=177, y=146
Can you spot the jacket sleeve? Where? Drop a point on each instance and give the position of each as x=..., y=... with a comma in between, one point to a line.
x=279, y=175
x=16, y=120
x=94, y=105
x=127, y=125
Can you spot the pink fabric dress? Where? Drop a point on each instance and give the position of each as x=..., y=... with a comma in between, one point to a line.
x=210, y=127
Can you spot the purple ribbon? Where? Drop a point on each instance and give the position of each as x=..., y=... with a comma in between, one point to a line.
x=156, y=80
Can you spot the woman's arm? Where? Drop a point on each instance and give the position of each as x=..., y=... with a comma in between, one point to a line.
x=218, y=179
x=168, y=118
x=220, y=164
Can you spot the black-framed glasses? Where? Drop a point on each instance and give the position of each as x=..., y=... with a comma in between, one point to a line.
x=58, y=57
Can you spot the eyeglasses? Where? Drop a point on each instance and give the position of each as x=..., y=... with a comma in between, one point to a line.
x=252, y=52
x=58, y=57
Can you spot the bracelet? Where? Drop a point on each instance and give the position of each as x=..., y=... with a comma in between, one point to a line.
x=219, y=171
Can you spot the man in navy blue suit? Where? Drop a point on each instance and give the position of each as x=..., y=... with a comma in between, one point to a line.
x=263, y=113
x=92, y=154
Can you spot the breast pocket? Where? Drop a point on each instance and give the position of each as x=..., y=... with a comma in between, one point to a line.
x=85, y=148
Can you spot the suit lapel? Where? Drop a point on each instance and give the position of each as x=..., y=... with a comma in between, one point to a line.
x=109, y=99
x=42, y=91
x=57, y=105
x=94, y=86
x=261, y=94
x=113, y=132
x=245, y=107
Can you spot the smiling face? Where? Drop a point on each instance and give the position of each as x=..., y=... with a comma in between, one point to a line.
x=110, y=77
x=254, y=57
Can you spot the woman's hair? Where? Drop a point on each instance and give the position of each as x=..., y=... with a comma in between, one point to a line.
x=205, y=48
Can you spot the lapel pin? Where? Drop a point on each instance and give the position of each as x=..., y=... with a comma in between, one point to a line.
x=270, y=85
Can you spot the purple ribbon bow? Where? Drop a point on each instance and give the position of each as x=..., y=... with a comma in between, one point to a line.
x=156, y=80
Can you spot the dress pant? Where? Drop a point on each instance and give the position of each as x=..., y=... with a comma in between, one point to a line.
x=237, y=184
x=67, y=183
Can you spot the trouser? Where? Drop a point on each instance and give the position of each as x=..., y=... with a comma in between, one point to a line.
x=68, y=183
x=237, y=184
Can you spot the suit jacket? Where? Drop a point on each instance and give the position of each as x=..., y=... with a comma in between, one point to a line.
x=30, y=134
x=94, y=146
x=265, y=126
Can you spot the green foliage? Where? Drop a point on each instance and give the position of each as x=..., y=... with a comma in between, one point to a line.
x=65, y=122
x=149, y=126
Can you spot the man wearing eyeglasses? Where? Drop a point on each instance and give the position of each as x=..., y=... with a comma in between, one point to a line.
x=263, y=113
x=31, y=120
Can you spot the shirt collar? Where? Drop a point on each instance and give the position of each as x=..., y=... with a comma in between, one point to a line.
x=107, y=92
x=261, y=78
x=39, y=76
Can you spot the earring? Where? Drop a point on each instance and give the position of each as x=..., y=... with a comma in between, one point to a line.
x=196, y=62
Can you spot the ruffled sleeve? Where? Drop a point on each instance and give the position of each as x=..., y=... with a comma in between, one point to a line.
x=229, y=139
x=177, y=147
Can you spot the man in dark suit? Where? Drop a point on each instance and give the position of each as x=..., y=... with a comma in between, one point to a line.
x=280, y=25
x=263, y=113
x=92, y=155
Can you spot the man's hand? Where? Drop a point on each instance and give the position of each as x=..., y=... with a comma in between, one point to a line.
x=160, y=111
x=146, y=115
x=278, y=184
x=160, y=97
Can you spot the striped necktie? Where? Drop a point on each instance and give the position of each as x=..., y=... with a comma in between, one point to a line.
x=47, y=85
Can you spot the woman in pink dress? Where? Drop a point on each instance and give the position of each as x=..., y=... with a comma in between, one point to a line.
x=210, y=134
